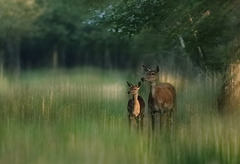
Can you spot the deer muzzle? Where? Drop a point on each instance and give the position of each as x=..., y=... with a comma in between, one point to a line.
x=143, y=79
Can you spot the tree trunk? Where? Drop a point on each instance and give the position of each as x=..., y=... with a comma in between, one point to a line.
x=13, y=57
x=1, y=64
x=55, y=58
x=229, y=99
x=106, y=61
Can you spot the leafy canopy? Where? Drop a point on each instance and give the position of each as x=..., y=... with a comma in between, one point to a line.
x=204, y=27
x=17, y=17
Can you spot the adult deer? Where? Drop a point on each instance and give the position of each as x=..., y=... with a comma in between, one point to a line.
x=136, y=105
x=162, y=96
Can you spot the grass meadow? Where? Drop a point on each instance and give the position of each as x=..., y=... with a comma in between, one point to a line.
x=80, y=116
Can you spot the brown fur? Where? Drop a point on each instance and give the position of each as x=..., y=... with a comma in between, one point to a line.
x=131, y=106
x=162, y=96
x=136, y=105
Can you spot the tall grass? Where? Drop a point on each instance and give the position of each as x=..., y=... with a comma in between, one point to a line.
x=80, y=116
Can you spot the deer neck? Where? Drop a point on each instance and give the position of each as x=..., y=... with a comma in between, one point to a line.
x=152, y=88
x=136, y=105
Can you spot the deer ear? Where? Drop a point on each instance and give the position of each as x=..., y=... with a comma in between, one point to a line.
x=157, y=69
x=129, y=84
x=139, y=84
x=146, y=69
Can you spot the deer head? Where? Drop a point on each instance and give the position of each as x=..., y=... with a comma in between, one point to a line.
x=133, y=90
x=151, y=75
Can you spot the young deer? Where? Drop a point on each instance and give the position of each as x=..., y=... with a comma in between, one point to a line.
x=135, y=105
x=162, y=96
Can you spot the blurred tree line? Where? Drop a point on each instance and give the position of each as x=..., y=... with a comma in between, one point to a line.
x=61, y=33
x=56, y=33
x=206, y=32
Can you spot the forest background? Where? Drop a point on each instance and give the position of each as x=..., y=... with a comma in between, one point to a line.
x=63, y=71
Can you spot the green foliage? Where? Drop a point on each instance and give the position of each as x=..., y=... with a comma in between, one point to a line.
x=60, y=21
x=128, y=18
x=62, y=28
x=39, y=28
x=204, y=26
x=17, y=17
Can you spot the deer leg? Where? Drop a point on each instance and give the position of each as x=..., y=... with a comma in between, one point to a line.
x=129, y=121
x=141, y=121
x=137, y=119
x=170, y=120
x=153, y=120
x=170, y=116
x=161, y=115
